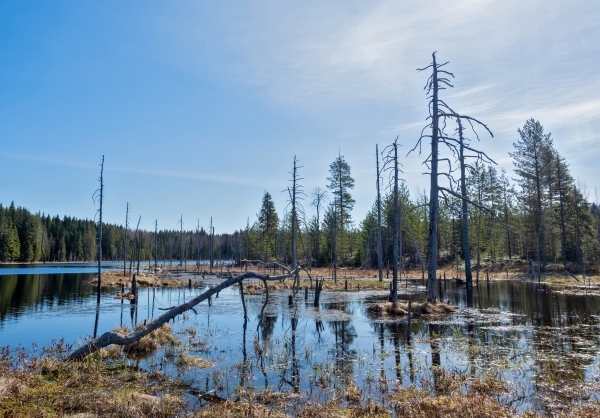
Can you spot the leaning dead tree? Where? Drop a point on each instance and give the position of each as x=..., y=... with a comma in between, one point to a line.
x=100, y=195
x=116, y=338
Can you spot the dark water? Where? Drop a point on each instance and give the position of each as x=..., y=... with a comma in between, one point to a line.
x=58, y=268
x=545, y=344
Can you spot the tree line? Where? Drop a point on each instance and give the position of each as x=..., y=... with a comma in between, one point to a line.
x=476, y=212
x=37, y=237
x=543, y=204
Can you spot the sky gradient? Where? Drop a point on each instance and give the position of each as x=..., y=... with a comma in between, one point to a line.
x=200, y=107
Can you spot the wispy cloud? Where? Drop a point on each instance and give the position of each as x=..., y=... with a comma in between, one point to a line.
x=233, y=180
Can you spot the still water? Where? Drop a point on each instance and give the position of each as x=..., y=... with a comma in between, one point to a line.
x=545, y=344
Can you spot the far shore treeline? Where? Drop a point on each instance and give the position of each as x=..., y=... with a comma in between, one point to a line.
x=542, y=194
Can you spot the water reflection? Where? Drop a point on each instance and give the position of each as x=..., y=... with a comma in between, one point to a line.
x=39, y=292
x=520, y=330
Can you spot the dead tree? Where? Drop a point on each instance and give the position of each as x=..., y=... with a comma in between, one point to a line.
x=155, y=244
x=134, y=245
x=125, y=241
x=436, y=82
x=439, y=113
x=100, y=195
x=392, y=158
x=296, y=195
x=319, y=196
x=139, y=249
x=379, y=249
x=113, y=337
x=181, y=240
x=211, y=231
x=480, y=156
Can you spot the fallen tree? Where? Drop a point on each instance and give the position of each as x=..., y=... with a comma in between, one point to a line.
x=113, y=337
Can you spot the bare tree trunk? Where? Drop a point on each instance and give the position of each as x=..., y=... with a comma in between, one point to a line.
x=465, y=214
x=334, y=246
x=139, y=252
x=433, y=192
x=125, y=241
x=379, y=248
x=294, y=215
x=211, y=232
x=181, y=241
x=134, y=246
x=480, y=202
x=563, y=236
x=396, y=220
x=100, y=230
x=155, y=244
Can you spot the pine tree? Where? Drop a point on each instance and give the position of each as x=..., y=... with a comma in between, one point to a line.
x=268, y=220
x=340, y=184
x=533, y=161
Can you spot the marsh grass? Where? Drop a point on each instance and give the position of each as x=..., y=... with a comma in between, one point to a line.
x=112, y=279
x=98, y=386
x=417, y=309
x=257, y=288
x=148, y=344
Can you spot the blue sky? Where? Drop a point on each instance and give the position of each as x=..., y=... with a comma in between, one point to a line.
x=200, y=107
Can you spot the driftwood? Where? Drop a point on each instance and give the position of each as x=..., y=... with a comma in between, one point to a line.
x=112, y=337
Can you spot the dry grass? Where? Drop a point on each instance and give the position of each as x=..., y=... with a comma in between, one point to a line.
x=417, y=309
x=257, y=288
x=417, y=404
x=148, y=344
x=562, y=280
x=231, y=409
x=185, y=361
x=95, y=387
x=116, y=279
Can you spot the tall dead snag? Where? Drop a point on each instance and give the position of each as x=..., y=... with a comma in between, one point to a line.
x=392, y=158
x=464, y=209
x=432, y=88
x=155, y=244
x=439, y=113
x=125, y=241
x=480, y=156
x=379, y=249
x=134, y=246
x=296, y=195
x=181, y=240
x=211, y=231
x=100, y=195
x=113, y=337
x=319, y=197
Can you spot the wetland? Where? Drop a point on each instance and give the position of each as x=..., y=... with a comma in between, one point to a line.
x=523, y=347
